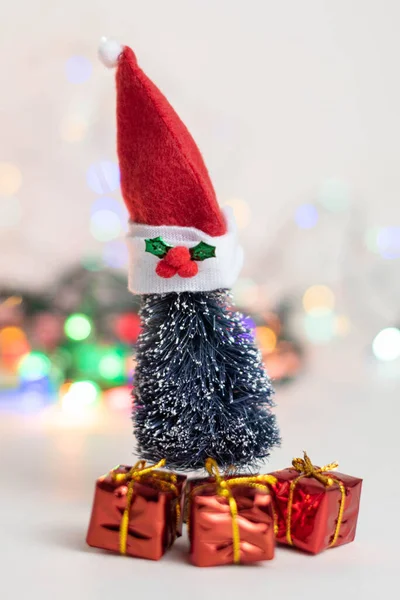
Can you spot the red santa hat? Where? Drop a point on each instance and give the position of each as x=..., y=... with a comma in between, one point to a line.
x=179, y=239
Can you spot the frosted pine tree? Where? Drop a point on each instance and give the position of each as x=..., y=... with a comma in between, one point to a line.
x=200, y=388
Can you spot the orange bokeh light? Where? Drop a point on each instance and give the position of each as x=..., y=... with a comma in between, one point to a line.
x=266, y=338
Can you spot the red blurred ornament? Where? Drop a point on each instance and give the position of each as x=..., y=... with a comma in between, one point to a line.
x=48, y=330
x=127, y=327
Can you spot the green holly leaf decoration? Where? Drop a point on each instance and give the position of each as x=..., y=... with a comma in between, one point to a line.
x=202, y=251
x=157, y=246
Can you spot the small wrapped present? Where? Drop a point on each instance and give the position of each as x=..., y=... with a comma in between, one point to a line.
x=180, y=481
x=194, y=482
x=137, y=510
x=315, y=508
x=231, y=520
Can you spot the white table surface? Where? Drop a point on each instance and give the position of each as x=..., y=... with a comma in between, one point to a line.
x=49, y=465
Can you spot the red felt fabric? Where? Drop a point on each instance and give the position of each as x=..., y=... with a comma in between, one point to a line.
x=164, y=179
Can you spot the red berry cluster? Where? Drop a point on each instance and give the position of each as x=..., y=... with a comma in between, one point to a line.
x=177, y=261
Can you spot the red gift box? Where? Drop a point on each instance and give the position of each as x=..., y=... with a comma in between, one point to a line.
x=315, y=508
x=231, y=520
x=179, y=481
x=193, y=482
x=136, y=511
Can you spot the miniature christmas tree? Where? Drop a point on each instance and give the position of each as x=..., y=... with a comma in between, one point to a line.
x=201, y=389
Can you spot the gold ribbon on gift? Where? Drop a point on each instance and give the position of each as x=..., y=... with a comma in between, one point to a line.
x=163, y=480
x=223, y=489
x=305, y=467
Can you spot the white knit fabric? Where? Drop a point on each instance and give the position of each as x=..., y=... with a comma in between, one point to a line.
x=220, y=271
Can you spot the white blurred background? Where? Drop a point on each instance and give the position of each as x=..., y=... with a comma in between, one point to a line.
x=281, y=97
x=295, y=106
x=292, y=103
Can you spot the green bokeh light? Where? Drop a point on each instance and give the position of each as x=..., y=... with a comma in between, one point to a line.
x=334, y=195
x=371, y=239
x=320, y=326
x=33, y=366
x=78, y=327
x=111, y=366
x=87, y=357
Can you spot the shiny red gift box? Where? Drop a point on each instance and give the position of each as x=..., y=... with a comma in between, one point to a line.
x=152, y=509
x=211, y=532
x=192, y=483
x=230, y=519
x=316, y=508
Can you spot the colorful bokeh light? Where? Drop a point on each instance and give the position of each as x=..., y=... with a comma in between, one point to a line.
x=342, y=325
x=11, y=334
x=78, y=69
x=320, y=327
x=306, y=216
x=115, y=254
x=266, y=338
x=127, y=327
x=371, y=239
x=105, y=225
x=112, y=366
x=334, y=195
x=103, y=177
x=10, y=179
x=386, y=345
x=79, y=397
x=109, y=203
x=87, y=357
x=241, y=210
x=34, y=366
x=318, y=299
x=119, y=398
x=73, y=128
x=78, y=327
x=388, y=242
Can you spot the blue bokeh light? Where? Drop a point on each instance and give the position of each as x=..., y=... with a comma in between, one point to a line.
x=306, y=216
x=107, y=203
x=115, y=254
x=388, y=242
x=103, y=177
x=78, y=69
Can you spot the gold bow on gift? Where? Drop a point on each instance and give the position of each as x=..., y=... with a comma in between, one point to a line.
x=305, y=467
x=163, y=480
x=223, y=489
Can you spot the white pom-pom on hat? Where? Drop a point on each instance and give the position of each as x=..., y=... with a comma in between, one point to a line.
x=109, y=52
